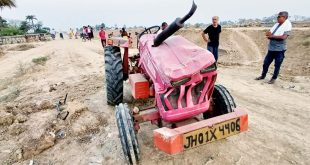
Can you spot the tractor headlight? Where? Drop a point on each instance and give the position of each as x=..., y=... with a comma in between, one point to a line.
x=211, y=68
x=180, y=82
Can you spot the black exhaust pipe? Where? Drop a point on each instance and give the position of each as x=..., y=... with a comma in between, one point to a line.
x=174, y=27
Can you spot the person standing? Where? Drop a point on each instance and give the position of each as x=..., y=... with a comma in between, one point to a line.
x=164, y=25
x=120, y=33
x=61, y=35
x=213, y=31
x=84, y=34
x=71, y=33
x=277, y=46
x=76, y=34
x=89, y=33
x=124, y=33
x=102, y=37
x=53, y=34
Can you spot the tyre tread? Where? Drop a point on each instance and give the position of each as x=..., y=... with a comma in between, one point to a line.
x=127, y=134
x=114, y=75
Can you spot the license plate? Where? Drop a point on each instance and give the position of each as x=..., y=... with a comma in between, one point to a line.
x=209, y=134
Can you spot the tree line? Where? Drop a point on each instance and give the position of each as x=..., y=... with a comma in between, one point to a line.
x=30, y=24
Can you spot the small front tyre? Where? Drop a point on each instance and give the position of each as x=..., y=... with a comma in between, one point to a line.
x=222, y=103
x=127, y=134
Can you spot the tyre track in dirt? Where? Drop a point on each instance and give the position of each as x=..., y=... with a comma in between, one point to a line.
x=248, y=47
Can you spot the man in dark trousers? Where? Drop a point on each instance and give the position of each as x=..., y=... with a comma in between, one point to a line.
x=213, y=31
x=102, y=37
x=277, y=46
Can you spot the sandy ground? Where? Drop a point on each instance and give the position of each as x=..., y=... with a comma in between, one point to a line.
x=279, y=114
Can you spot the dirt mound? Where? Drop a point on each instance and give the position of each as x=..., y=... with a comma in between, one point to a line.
x=36, y=146
x=82, y=121
x=42, y=129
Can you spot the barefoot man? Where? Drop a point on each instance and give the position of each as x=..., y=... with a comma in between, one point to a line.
x=213, y=31
x=277, y=46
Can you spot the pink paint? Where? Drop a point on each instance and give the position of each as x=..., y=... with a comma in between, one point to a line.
x=175, y=59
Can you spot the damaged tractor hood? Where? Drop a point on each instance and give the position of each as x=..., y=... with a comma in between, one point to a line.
x=174, y=59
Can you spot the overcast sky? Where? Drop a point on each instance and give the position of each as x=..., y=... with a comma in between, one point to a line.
x=63, y=14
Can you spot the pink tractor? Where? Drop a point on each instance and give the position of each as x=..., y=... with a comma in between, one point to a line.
x=190, y=110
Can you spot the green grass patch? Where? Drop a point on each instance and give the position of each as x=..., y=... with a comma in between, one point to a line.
x=306, y=42
x=40, y=60
x=14, y=92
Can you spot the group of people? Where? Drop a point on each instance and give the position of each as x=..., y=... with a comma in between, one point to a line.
x=87, y=33
x=277, y=36
x=122, y=33
x=73, y=34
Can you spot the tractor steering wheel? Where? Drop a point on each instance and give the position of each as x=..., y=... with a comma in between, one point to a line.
x=150, y=30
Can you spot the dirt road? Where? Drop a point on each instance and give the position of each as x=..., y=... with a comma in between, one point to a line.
x=279, y=115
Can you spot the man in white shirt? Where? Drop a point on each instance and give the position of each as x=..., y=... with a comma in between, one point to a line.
x=277, y=46
x=53, y=34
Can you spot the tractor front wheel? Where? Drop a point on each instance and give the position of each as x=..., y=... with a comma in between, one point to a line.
x=222, y=103
x=127, y=134
x=113, y=74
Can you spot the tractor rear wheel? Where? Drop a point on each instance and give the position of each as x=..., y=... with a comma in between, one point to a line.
x=114, y=74
x=222, y=103
x=127, y=134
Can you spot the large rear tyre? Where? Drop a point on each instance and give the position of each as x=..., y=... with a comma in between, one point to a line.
x=222, y=103
x=114, y=74
x=127, y=134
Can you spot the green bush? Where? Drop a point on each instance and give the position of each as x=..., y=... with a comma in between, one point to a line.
x=10, y=31
x=40, y=60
